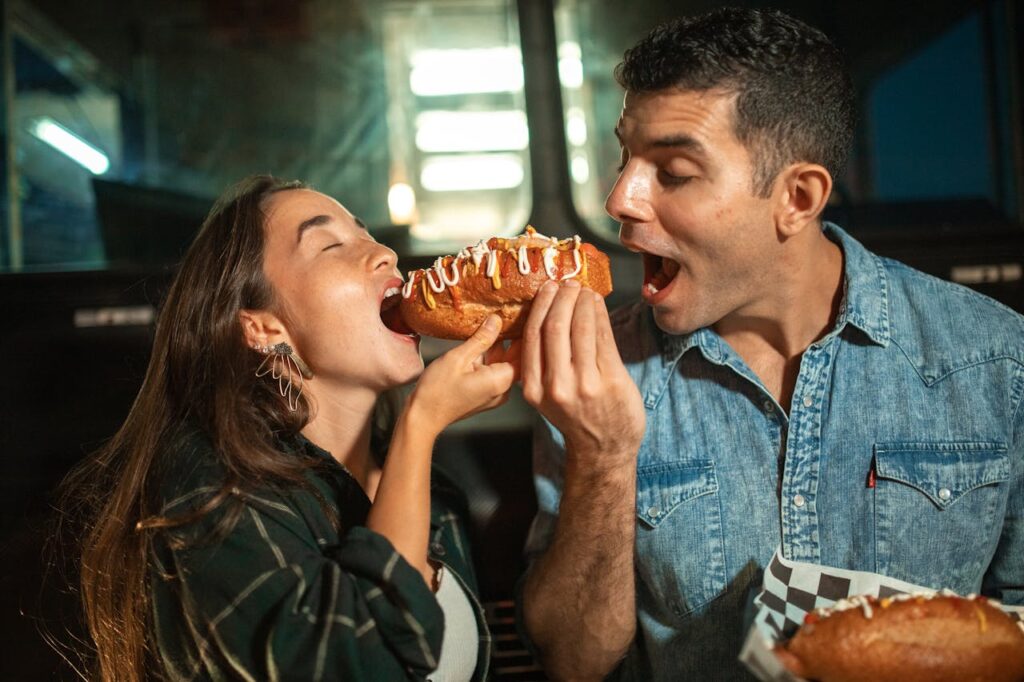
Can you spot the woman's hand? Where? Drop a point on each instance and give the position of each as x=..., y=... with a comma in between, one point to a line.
x=472, y=377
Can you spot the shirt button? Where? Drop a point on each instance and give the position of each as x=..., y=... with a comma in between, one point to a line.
x=437, y=548
x=808, y=401
x=944, y=494
x=654, y=512
x=798, y=500
x=768, y=407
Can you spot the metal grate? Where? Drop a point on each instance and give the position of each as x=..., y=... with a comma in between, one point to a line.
x=510, y=660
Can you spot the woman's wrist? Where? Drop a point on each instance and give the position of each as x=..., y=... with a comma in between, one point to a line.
x=416, y=422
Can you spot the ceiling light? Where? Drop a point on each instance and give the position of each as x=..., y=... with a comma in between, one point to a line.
x=471, y=172
x=71, y=145
x=471, y=131
x=456, y=72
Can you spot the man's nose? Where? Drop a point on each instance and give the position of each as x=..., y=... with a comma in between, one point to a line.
x=628, y=202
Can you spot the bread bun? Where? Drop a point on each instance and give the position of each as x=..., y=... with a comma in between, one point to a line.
x=907, y=638
x=451, y=299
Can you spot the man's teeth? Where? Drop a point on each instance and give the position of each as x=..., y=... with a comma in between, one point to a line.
x=651, y=289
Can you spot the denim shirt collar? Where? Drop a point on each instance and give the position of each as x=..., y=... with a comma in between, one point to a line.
x=865, y=304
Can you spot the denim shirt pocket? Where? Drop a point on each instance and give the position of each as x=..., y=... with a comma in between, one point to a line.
x=680, y=547
x=936, y=510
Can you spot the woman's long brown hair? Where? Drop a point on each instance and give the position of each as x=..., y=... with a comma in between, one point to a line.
x=200, y=373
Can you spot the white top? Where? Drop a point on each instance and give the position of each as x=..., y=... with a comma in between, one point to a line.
x=461, y=641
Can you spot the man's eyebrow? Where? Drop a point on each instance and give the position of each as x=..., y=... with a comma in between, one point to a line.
x=308, y=223
x=681, y=141
x=360, y=223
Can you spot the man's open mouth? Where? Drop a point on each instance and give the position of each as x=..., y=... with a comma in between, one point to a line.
x=658, y=273
x=391, y=314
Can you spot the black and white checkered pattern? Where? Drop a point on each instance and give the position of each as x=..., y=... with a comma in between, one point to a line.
x=792, y=590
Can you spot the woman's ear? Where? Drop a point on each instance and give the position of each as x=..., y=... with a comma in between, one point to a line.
x=261, y=328
x=800, y=194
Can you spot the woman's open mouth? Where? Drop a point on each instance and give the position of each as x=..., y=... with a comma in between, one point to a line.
x=391, y=314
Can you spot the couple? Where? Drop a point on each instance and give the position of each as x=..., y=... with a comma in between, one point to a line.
x=268, y=511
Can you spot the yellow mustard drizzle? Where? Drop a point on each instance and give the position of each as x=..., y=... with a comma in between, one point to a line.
x=982, y=618
x=427, y=296
x=496, y=277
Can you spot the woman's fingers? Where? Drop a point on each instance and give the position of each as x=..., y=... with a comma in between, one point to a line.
x=483, y=338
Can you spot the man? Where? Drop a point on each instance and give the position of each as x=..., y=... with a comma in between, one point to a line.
x=797, y=390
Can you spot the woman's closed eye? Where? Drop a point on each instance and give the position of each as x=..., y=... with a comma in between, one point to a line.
x=331, y=246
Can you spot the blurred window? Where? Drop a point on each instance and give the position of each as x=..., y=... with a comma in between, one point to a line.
x=129, y=118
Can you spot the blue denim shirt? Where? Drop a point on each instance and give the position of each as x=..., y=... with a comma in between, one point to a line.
x=920, y=383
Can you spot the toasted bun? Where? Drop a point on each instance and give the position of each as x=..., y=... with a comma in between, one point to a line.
x=913, y=638
x=452, y=299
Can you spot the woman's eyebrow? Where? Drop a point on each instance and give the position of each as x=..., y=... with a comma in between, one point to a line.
x=308, y=223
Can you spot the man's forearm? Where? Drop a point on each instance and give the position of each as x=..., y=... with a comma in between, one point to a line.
x=579, y=599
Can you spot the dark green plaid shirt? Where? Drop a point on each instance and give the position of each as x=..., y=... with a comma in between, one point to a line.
x=286, y=596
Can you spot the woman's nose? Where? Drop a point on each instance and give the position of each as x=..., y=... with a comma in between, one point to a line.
x=384, y=257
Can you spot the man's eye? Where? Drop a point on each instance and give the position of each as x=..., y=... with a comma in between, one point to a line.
x=670, y=179
x=331, y=246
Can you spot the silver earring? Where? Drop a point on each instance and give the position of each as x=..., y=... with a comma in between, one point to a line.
x=284, y=365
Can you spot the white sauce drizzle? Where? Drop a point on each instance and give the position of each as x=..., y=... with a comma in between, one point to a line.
x=438, y=276
x=864, y=603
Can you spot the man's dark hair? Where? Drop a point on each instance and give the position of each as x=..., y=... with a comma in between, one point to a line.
x=794, y=95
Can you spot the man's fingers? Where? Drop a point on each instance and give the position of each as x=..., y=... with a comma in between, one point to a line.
x=557, y=326
x=584, y=327
x=607, y=351
x=531, y=357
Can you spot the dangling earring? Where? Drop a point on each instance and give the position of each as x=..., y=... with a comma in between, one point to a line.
x=283, y=364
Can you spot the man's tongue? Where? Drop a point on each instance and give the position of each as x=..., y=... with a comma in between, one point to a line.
x=658, y=271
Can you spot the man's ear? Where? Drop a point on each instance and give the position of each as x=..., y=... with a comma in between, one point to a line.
x=261, y=328
x=800, y=193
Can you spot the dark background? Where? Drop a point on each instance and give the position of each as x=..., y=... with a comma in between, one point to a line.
x=935, y=181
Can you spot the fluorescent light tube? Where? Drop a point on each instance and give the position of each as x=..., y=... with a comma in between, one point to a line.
x=471, y=172
x=71, y=145
x=457, y=72
x=471, y=131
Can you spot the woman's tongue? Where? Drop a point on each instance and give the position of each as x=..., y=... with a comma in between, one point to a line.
x=658, y=271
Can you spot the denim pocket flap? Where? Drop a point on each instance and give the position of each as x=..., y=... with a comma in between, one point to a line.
x=943, y=471
x=663, y=487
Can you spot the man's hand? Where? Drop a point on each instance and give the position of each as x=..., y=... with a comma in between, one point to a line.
x=573, y=375
x=579, y=603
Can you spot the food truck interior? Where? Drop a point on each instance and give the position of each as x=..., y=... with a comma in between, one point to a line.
x=439, y=122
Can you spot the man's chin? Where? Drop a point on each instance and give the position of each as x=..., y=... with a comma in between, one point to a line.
x=674, y=322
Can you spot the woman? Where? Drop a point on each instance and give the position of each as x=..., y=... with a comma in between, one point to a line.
x=245, y=523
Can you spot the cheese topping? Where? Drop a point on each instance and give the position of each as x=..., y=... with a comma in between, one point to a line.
x=865, y=603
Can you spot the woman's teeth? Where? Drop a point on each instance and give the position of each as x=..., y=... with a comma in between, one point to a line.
x=393, y=291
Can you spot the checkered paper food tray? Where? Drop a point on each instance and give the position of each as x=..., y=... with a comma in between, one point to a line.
x=792, y=589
